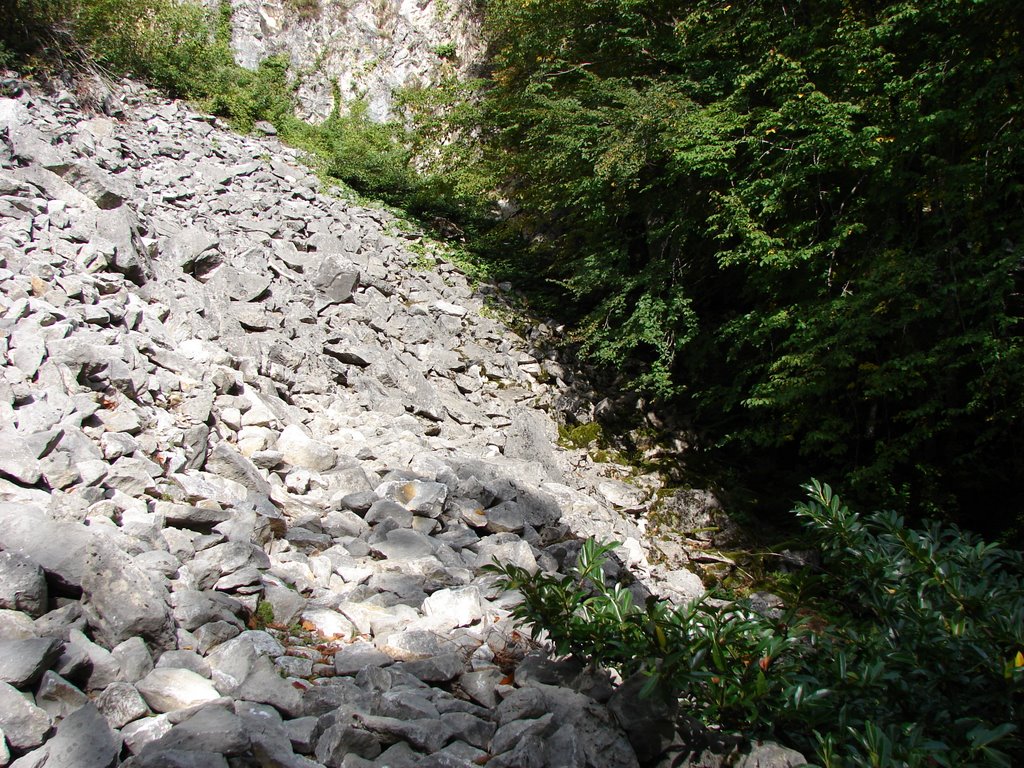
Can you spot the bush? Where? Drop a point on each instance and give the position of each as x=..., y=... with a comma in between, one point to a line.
x=922, y=663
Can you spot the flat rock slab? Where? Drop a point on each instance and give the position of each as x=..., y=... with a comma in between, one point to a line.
x=23, y=662
x=23, y=724
x=167, y=689
x=83, y=740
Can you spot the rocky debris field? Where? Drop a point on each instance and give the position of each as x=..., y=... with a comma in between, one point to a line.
x=253, y=457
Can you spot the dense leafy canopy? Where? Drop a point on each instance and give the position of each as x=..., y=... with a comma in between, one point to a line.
x=801, y=221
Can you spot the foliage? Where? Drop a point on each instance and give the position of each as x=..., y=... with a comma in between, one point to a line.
x=925, y=666
x=800, y=223
x=445, y=51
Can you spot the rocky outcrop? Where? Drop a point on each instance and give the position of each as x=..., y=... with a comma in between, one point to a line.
x=360, y=49
x=252, y=464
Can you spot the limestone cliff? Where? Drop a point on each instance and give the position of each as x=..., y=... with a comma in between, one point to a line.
x=359, y=49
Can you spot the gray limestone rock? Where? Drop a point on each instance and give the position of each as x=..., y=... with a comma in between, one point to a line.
x=58, y=547
x=83, y=740
x=211, y=729
x=227, y=462
x=23, y=662
x=120, y=704
x=24, y=724
x=335, y=279
x=649, y=722
x=121, y=601
x=166, y=689
x=339, y=741
x=57, y=697
x=300, y=450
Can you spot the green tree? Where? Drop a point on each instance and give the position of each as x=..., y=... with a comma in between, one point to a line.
x=799, y=221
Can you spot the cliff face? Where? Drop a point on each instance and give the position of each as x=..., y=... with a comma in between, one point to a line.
x=361, y=49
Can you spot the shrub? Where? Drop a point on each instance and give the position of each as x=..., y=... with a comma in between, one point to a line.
x=921, y=663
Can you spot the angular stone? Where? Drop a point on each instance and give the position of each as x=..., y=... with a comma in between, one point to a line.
x=120, y=704
x=300, y=450
x=84, y=739
x=450, y=608
x=405, y=544
x=265, y=686
x=57, y=697
x=768, y=754
x=121, y=601
x=335, y=279
x=414, y=644
x=168, y=689
x=23, y=662
x=212, y=729
x=24, y=724
x=328, y=624
x=58, y=547
x=353, y=658
x=229, y=463
x=386, y=509
x=422, y=497
x=339, y=741
x=425, y=734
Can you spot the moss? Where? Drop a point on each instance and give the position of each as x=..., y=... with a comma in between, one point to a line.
x=264, y=615
x=580, y=436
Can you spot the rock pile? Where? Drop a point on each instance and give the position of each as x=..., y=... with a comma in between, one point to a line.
x=251, y=465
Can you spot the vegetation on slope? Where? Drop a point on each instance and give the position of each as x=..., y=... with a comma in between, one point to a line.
x=800, y=223
x=908, y=650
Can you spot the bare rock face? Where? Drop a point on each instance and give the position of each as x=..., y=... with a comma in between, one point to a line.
x=367, y=49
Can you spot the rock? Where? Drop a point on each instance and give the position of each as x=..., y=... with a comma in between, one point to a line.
x=23, y=662
x=121, y=601
x=22, y=584
x=23, y=724
x=212, y=729
x=58, y=547
x=230, y=464
x=265, y=686
x=300, y=450
x=770, y=755
x=57, y=697
x=168, y=689
x=450, y=608
x=649, y=722
x=335, y=279
x=120, y=704
x=339, y=741
x=83, y=740
x=350, y=659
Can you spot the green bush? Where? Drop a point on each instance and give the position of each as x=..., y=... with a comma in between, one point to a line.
x=919, y=663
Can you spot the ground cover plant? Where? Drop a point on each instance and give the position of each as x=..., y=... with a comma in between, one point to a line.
x=918, y=660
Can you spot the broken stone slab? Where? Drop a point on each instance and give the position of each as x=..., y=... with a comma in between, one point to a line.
x=83, y=739
x=23, y=662
x=230, y=464
x=423, y=497
x=211, y=729
x=57, y=697
x=24, y=725
x=22, y=584
x=121, y=601
x=300, y=450
x=58, y=547
x=335, y=279
x=167, y=689
x=120, y=704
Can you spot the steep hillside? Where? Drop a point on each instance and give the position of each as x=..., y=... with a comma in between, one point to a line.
x=255, y=454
